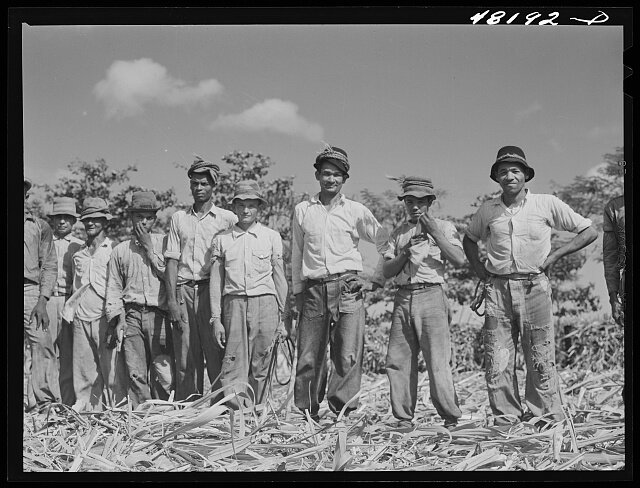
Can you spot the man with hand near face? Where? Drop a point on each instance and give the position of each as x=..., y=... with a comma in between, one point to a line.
x=516, y=228
x=136, y=298
x=248, y=294
x=64, y=217
x=99, y=374
x=326, y=266
x=417, y=251
x=188, y=261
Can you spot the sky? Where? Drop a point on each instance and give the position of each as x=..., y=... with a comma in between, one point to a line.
x=430, y=100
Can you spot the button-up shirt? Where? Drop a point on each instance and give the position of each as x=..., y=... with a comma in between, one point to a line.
x=426, y=263
x=90, y=280
x=614, y=244
x=66, y=247
x=325, y=240
x=190, y=239
x=40, y=259
x=252, y=261
x=519, y=240
x=133, y=278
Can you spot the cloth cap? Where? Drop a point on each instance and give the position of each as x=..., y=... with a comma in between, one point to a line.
x=143, y=201
x=416, y=186
x=202, y=166
x=95, y=207
x=512, y=154
x=248, y=190
x=27, y=184
x=334, y=155
x=64, y=206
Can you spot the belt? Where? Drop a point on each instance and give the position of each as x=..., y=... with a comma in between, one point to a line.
x=329, y=278
x=142, y=308
x=418, y=286
x=516, y=276
x=194, y=283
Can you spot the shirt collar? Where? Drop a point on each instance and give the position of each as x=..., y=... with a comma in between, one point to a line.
x=65, y=238
x=316, y=198
x=498, y=200
x=212, y=210
x=253, y=230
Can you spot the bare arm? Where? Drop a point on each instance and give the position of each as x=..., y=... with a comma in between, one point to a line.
x=471, y=251
x=170, y=279
x=451, y=252
x=582, y=239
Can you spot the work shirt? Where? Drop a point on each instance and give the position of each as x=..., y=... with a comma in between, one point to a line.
x=66, y=247
x=614, y=248
x=134, y=278
x=518, y=240
x=325, y=240
x=191, y=237
x=40, y=259
x=252, y=261
x=426, y=263
x=90, y=281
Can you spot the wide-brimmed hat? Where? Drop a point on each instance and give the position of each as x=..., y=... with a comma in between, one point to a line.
x=64, y=206
x=248, y=190
x=333, y=155
x=143, y=201
x=27, y=184
x=416, y=186
x=95, y=207
x=512, y=154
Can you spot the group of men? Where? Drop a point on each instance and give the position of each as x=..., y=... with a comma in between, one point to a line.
x=142, y=318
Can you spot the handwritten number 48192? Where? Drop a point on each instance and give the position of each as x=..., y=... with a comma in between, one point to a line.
x=496, y=18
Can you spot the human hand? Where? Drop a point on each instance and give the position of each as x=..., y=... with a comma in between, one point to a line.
x=175, y=314
x=119, y=332
x=39, y=312
x=143, y=237
x=357, y=284
x=219, y=333
x=428, y=223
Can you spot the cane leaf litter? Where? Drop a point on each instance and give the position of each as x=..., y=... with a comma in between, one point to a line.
x=199, y=435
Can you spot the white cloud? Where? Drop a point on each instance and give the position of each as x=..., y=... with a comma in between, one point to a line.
x=130, y=85
x=599, y=131
x=272, y=115
x=530, y=110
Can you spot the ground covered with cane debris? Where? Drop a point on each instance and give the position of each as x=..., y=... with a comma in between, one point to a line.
x=198, y=436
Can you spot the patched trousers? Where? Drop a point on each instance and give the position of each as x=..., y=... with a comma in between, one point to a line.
x=420, y=322
x=331, y=314
x=520, y=309
x=250, y=325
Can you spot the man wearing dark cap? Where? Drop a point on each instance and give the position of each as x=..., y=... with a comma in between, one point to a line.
x=136, y=299
x=516, y=229
x=188, y=256
x=328, y=287
x=248, y=292
x=40, y=271
x=418, y=249
x=63, y=216
x=99, y=374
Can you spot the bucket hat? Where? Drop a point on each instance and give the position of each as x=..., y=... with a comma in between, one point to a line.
x=143, y=201
x=512, y=154
x=64, y=206
x=95, y=207
x=416, y=186
x=248, y=190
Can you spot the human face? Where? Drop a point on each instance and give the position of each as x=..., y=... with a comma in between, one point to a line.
x=201, y=187
x=330, y=178
x=147, y=219
x=511, y=177
x=63, y=224
x=246, y=211
x=94, y=225
x=416, y=206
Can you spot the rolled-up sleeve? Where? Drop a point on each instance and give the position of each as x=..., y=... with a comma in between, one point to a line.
x=49, y=261
x=565, y=218
x=114, y=305
x=477, y=229
x=173, y=250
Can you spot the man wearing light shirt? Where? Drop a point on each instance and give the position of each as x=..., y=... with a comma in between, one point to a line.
x=188, y=264
x=516, y=227
x=328, y=288
x=418, y=249
x=248, y=295
x=136, y=298
x=64, y=217
x=99, y=374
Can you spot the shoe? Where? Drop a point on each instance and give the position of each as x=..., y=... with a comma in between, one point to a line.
x=404, y=424
x=450, y=423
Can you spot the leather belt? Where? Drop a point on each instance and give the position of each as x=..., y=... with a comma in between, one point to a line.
x=329, y=278
x=194, y=283
x=417, y=286
x=142, y=308
x=516, y=276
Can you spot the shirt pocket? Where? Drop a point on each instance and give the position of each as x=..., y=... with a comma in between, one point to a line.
x=261, y=260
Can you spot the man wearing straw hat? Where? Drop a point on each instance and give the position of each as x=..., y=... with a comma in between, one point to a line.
x=516, y=228
x=418, y=249
x=136, y=299
x=40, y=270
x=63, y=216
x=99, y=374
x=326, y=266
x=248, y=292
x=188, y=256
